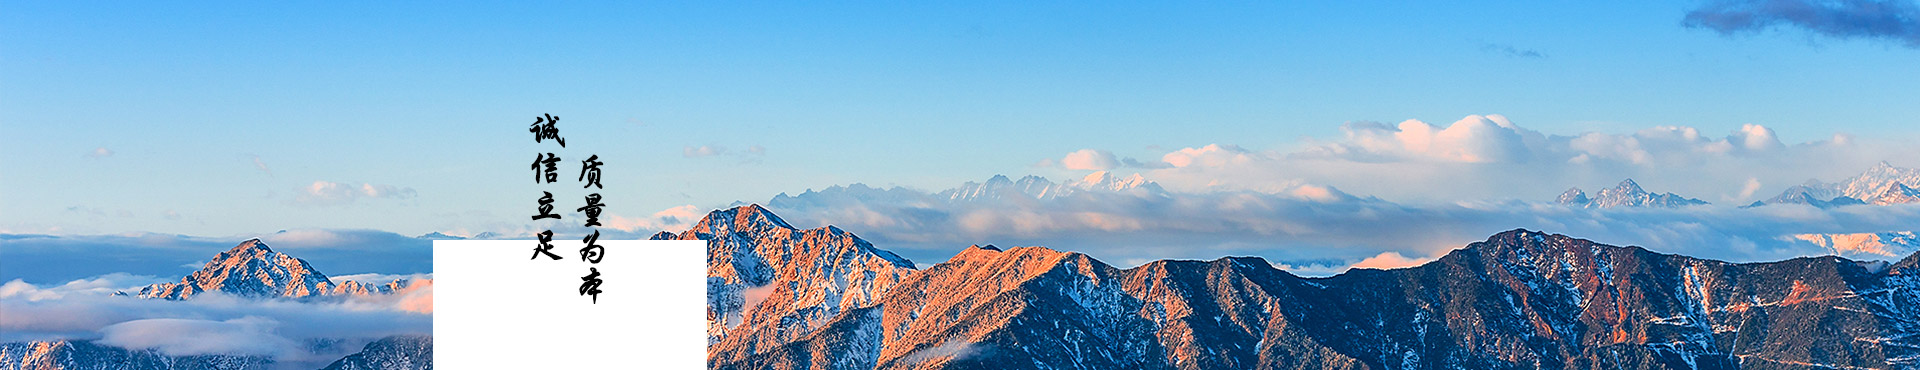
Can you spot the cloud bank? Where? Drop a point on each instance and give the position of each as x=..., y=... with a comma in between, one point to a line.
x=1889, y=20
x=1450, y=184
x=212, y=323
x=328, y=193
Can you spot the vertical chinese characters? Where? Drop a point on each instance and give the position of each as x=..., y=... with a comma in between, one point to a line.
x=546, y=170
x=591, y=252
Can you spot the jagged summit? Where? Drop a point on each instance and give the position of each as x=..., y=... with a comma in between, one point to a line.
x=1897, y=193
x=1572, y=196
x=1879, y=185
x=1629, y=186
x=254, y=270
x=768, y=281
x=748, y=218
x=1106, y=181
x=1803, y=194
x=1627, y=194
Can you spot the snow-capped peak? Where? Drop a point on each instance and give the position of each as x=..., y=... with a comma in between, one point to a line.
x=1897, y=193
x=1572, y=196
x=1627, y=194
x=1868, y=187
x=252, y=269
x=1106, y=181
x=1035, y=187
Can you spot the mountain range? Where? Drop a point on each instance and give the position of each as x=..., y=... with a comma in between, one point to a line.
x=998, y=188
x=1883, y=184
x=253, y=270
x=249, y=270
x=783, y=298
x=1626, y=194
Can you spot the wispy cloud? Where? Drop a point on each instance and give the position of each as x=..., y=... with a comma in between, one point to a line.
x=1511, y=51
x=675, y=218
x=1450, y=184
x=100, y=152
x=328, y=193
x=754, y=154
x=702, y=151
x=261, y=165
x=1890, y=20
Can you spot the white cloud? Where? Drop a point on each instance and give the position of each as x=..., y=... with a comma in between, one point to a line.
x=670, y=219
x=1212, y=155
x=210, y=323
x=702, y=151
x=18, y=289
x=186, y=337
x=100, y=152
x=1314, y=227
x=97, y=285
x=1090, y=159
x=1746, y=191
x=261, y=165
x=1756, y=138
x=1474, y=139
x=334, y=193
x=1389, y=260
x=1492, y=157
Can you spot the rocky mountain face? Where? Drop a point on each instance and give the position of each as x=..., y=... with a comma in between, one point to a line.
x=1896, y=194
x=1519, y=300
x=407, y=352
x=253, y=270
x=768, y=282
x=1626, y=194
x=1883, y=184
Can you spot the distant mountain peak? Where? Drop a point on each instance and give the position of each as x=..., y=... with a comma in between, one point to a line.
x=1572, y=196
x=438, y=236
x=768, y=281
x=1629, y=185
x=747, y=217
x=252, y=269
x=1897, y=193
x=1869, y=187
x=1627, y=194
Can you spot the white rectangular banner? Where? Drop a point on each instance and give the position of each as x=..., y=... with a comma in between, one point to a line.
x=498, y=305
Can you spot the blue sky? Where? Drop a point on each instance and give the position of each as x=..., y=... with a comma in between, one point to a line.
x=216, y=119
